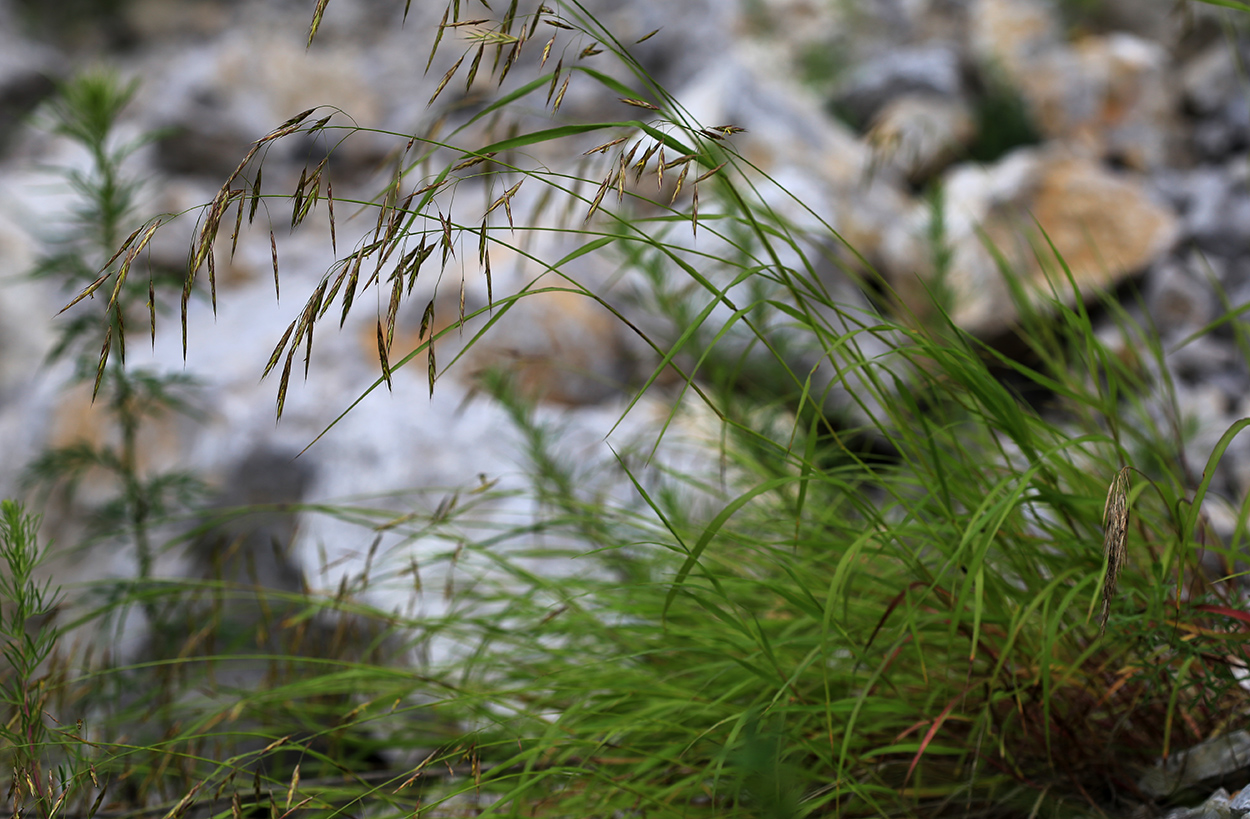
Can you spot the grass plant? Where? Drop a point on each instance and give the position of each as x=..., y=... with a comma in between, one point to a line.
x=940, y=601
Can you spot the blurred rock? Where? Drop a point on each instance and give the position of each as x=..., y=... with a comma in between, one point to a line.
x=919, y=135
x=1103, y=224
x=252, y=546
x=1214, y=763
x=923, y=71
x=1179, y=297
x=1112, y=95
x=1214, y=204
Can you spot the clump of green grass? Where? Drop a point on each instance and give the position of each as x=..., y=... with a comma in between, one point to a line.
x=893, y=619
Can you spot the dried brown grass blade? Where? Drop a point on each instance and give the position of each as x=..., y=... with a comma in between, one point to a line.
x=1115, y=518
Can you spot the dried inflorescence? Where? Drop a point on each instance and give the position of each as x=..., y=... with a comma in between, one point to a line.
x=1115, y=532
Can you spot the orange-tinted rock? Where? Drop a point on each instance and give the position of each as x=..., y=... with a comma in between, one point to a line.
x=1103, y=224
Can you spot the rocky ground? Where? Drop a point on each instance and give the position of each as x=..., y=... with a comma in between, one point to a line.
x=1121, y=127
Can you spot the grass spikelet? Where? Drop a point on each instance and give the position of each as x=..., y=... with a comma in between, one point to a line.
x=430, y=367
x=646, y=37
x=104, y=357
x=709, y=173
x=641, y=165
x=506, y=201
x=332, y=292
x=560, y=96
x=490, y=295
x=477, y=61
x=251, y=211
x=318, y=13
x=448, y=250
x=382, y=359
x=438, y=37
x=604, y=147
x=241, y=195
x=427, y=319
x=639, y=104
x=603, y=188
x=273, y=250
x=508, y=63
x=1115, y=517
x=422, y=253
x=451, y=72
x=694, y=211
x=555, y=78
x=349, y=294
x=298, y=197
x=334, y=245
x=681, y=177
x=285, y=129
x=310, y=320
x=392, y=308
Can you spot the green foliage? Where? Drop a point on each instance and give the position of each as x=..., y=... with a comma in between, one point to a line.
x=47, y=762
x=893, y=628
x=86, y=111
x=1003, y=121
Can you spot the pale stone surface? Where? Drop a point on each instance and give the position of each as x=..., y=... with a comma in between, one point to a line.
x=1104, y=226
x=920, y=134
x=1211, y=760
